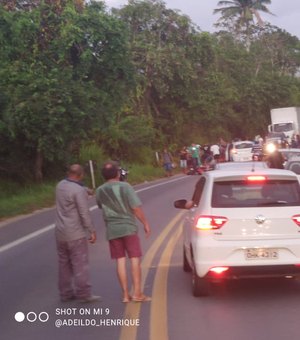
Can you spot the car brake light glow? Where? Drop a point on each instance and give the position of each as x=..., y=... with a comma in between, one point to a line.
x=256, y=178
x=296, y=219
x=219, y=270
x=206, y=222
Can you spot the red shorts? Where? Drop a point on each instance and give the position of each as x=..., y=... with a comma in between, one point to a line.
x=129, y=245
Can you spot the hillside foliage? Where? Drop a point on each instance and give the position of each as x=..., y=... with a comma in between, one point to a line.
x=76, y=76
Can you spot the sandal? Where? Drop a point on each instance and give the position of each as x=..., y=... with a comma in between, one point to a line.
x=143, y=298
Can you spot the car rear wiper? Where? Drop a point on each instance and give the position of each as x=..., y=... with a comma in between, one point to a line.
x=272, y=203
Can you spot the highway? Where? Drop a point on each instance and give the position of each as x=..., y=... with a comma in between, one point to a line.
x=30, y=307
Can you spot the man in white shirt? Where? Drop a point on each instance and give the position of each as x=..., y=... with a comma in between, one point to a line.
x=215, y=150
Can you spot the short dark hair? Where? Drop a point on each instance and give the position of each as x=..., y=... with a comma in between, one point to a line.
x=110, y=170
x=75, y=170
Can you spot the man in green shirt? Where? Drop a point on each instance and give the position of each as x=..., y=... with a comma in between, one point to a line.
x=194, y=151
x=121, y=206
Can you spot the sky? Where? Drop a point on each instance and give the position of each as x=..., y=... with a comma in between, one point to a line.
x=286, y=13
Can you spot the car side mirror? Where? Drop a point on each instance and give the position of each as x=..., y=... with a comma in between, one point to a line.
x=180, y=204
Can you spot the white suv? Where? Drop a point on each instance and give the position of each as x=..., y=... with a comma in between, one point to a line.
x=240, y=151
x=243, y=224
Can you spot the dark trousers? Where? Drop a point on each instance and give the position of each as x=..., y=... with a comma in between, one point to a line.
x=195, y=163
x=73, y=273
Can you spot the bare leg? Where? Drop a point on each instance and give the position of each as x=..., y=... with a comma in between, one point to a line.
x=136, y=276
x=122, y=276
x=138, y=295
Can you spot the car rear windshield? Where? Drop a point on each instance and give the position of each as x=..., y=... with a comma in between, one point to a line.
x=244, y=145
x=240, y=194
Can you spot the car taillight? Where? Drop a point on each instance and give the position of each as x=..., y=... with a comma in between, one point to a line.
x=256, y=178
x=218, y=270
x=296, y=219
x=207, y=222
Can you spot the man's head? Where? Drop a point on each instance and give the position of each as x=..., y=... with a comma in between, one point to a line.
x=76, y=172
x=110, y=170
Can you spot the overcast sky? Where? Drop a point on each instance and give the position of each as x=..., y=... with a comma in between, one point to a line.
x=286, y=13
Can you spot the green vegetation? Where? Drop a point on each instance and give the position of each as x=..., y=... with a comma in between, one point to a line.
x=24, y=199
x=78, y=82
x=16, y=200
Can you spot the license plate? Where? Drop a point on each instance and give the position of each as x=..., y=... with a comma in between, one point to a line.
x=261, y=254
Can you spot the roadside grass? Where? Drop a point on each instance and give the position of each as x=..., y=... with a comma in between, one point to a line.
x=142, y=173
x=17, y=200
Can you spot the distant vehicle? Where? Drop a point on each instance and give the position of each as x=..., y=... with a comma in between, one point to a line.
x=290, y=153
x=274, y=140
x=293, y=165
x=123, y=174
x=276, y=137
x=292, y=159
x=285, y=120
x=243, y=224
x=240, y=151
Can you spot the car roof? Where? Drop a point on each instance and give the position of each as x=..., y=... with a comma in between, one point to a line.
x=293, y=150
x=243, y=141
x=241, y=165
x=240, y=173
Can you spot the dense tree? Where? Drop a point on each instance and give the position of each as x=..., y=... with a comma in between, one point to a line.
x=129, y=81
x=169, y=55
x=64, y=74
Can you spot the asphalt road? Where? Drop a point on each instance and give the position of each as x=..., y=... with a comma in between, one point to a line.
x=242, y=310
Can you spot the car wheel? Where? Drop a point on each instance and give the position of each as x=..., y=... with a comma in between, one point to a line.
x=186, y=265
x=200, y=285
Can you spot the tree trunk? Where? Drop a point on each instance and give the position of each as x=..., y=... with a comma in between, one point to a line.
x=38, y=173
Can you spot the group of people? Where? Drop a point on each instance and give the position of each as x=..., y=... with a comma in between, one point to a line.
x=74, y=229
x=196, y=156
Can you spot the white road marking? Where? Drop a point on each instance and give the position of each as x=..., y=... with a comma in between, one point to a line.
x=51, y=226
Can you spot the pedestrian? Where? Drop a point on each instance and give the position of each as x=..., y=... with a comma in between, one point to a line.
x=195, y=154
x=257, y=151
x=276, y=160
x=215, y=150
x=223, y=147
x=183, y=155
x=167, y=162
x=297, y=141
x=294, y=143
x=73, y=225
x=121, y=207
x=206, y=154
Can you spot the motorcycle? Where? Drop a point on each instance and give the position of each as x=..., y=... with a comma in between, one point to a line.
x=123, y=174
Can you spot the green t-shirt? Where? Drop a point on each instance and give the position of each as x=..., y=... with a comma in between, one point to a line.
x=116, y=199
x=194, y=150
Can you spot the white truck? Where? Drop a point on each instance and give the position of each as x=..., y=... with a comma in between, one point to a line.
x=285, y=120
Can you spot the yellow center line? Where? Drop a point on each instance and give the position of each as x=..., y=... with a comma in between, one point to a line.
x=132, y=310
x=158, y=314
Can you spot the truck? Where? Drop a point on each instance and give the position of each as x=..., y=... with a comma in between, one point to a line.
x=285, y=120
